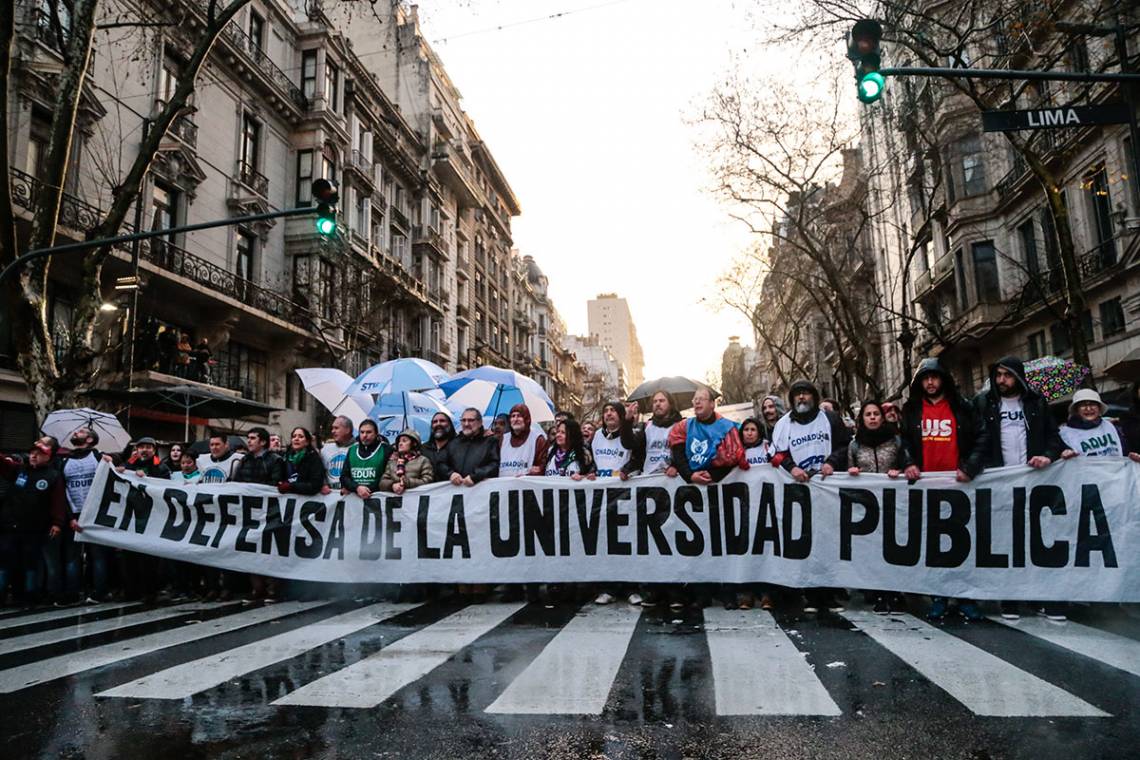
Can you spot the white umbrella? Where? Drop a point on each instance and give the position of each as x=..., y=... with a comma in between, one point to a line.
x=493, y=399
x=61, y=423
x=399, y=375
x=329, y=386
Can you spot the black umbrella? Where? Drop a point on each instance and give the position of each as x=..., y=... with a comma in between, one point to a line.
x=680, y=388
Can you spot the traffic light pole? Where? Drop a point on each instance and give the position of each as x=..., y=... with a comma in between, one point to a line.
x=84, y=245
x=1048, y=76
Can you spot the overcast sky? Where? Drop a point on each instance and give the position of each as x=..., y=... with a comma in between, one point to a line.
x=587, y=115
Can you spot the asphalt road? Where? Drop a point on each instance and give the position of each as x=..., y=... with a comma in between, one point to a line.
x=360, y=678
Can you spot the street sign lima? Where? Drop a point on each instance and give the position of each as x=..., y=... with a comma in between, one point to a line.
x=1053, y=118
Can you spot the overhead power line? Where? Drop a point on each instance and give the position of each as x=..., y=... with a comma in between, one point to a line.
x=525, y=22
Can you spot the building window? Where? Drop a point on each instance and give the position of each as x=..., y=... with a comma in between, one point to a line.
x=256, y=32
x=1111, y=317
x=164, y=208
x=332, y=94
x=38, y=143
x=242, y=368
x=1059, y=334
x=1028, y=234
x=250, y=142
x=1130, y=171
x=168, y=77
x=960, y=277
x=986, y=272
x=309, y=74
x=295, y=395
x=1101, y=212
x=1049, y=228
x=304, y=177
x=969, y=170
x=1087, y=326
x=243, y=255
x=1037, y=346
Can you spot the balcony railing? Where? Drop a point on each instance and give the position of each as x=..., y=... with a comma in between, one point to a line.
x=252, y=178
x=362, y=165
x=425, y=235
x=46, y=31
x=74, y=214
x=180, y=262
x=398, y=217
x=245, y=44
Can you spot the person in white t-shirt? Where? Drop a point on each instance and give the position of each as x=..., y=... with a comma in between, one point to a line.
x=1017, y=428
x=334, y=452
x=523, y=448
x=1088, y=434
x=658, y=456
x=220, y=464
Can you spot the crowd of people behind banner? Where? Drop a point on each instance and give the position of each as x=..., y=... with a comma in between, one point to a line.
x=936, y=429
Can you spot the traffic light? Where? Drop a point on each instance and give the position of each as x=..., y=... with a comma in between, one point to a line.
x=863, y=51
x=326, y=196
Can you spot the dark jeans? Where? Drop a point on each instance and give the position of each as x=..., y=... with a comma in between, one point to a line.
x=21, y=553
x=63, y=563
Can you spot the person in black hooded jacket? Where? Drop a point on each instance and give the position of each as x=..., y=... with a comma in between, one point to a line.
x=1019, y=429
x=960, y=446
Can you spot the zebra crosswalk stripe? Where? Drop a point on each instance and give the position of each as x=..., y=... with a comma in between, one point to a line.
x=31, y=674
x=207, y=672
x=757, y=670
x=78, y=631
x=1111, y=649
x=370, y=681
x=984, y=683
x=45, y=617
x=574, y=673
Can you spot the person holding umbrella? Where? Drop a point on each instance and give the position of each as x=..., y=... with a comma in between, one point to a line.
x=658, y=457
x=64, y=561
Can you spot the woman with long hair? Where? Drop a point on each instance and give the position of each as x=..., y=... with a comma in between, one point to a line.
x=304, y=470
x=566, y=457
x=878, y=447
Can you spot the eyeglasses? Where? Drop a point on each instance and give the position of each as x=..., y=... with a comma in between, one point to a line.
x=467, y=421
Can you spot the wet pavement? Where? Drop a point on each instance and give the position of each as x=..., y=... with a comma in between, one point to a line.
x=361, y=679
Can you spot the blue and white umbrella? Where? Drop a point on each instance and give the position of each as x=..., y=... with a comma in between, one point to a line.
x=493, y=399
x=396, y=412
x=507, y=378
x=398, y=375
x=391, y=427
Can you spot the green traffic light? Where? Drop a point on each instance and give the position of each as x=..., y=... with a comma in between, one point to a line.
x=871, y=87
x=326, y=226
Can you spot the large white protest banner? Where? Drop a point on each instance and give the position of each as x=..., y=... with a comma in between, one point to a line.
x=1070, y=531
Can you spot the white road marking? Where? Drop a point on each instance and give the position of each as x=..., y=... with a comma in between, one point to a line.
x=44, y=617
x=984, y=683
x=79, y=630
x=23, y=676
x=757, y=670
x=205, y=673
x=1110, y=648
x=370, y=681
x=574, y=673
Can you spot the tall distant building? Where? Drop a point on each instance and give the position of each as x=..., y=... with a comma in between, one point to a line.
x=612, y=325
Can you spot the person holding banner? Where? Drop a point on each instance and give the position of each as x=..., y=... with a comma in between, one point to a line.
x=658, y=457
x=334, y=452
x=265, y=468
x=757, y=447
x=566, y=458
x=1087, y=433
x=442, y=433
x=941, y=434
x=619, y=451
x=877, y=447
x=304, y=470
x=219, y=465
x=808, y=440
x=407, y=467
x=523, y=449
x=65, y=564
x=473, y=456
x=363, y=466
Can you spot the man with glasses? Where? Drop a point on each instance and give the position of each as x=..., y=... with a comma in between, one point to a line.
x=472, y=456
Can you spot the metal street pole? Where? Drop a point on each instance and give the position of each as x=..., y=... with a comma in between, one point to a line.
x=132, y=331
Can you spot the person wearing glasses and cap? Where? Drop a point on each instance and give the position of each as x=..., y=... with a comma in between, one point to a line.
x=33, y=513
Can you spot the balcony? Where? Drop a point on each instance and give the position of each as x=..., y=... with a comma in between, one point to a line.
x=452, y=166
x=922, y=283
x=184, y=131
x=74, y=214
x=249, y=177
x=251, y=56
x=520, y=317
x=45, y=31
x=463, y=313
x=398, y=218
x=361, y=167
x=428, y=240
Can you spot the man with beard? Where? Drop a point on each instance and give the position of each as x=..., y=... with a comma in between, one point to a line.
x=334, y=452
x=809, y=440
x=66, y=564
x=1019, y=429
x=941, y=434
x=771, y=410
x=658, y=456
x=364, y=464
x=523, y=450
x=618, y=449
x=473, y=455
x=442, y=431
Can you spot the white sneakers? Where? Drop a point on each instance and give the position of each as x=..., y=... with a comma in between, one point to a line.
x=635, y=599
x=604, y=598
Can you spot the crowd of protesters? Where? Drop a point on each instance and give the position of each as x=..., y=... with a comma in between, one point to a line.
x=935, y=429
